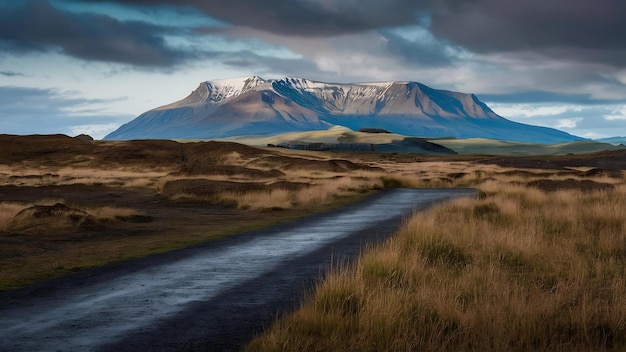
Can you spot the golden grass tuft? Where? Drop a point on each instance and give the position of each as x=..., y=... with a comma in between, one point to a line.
x=105, y=213
x=516, y=269
x=277, y=199
x=319, y=191
x=8, y=210
x=58, y=176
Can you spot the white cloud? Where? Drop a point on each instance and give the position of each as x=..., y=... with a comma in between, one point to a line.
x=620, y=76
x=617, y=114
x=529, y=110
x=589, y=121
x=567, y=123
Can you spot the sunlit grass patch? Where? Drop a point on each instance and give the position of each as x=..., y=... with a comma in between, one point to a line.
x=270, y=199
x=315, y=191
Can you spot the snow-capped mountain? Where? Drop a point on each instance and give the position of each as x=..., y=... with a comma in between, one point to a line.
x=256, y=106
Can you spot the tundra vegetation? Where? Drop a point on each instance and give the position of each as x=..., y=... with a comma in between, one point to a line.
x=537, y=262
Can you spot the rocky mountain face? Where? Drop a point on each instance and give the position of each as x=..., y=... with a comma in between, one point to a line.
x=255, y=106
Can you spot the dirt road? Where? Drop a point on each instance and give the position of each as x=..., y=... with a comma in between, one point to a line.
x=215, y=296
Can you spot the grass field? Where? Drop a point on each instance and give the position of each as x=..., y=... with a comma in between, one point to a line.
x=518, y=269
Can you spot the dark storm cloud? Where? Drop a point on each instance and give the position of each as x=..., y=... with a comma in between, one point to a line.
x=271, y=67
x=417, y=52
x=546, y=97
x=11, y=74
x=309, y=18
x=38, y=26
x=579, y=30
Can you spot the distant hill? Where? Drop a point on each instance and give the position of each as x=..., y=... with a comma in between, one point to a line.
x=613, y=140
x=255, y=106
x=391, y=142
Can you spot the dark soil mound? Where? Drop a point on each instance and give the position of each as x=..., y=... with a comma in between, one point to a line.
x=522, y=162
x=208, y=188
x=64, y=150
x=47, y=219
x=55, y=149
x=229, y=170
x=373, y=130
x=528, y=174
x=151, y=153
x=203, y=188
x=290, y=186
x=334, y=165
x=213, y=151
x=584, y=185
x=191, y=158
x=456, y=175
x=206, y=158
x=606, y=160
x=596, y=172
x=84, y=137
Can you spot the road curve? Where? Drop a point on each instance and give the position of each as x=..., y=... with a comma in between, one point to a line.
x=216, y=295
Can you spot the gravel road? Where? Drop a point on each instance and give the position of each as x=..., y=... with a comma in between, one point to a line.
x=214, y=296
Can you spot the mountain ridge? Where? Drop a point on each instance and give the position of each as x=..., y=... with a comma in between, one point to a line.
x=256, y=106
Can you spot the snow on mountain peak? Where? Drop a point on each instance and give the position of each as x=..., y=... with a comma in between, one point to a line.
x=303, y=83
x=306, y=84
x=220, y=90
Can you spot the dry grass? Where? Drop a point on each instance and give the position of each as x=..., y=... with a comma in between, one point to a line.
x=106, y=213
x=8, y=210
x=52, y=176
x=319, y=191
x=516, y=270
x=271, y=199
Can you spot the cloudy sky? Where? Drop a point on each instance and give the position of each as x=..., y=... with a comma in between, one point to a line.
x=88, y=66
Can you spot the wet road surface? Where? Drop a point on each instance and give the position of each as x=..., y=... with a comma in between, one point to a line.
x=215, y=296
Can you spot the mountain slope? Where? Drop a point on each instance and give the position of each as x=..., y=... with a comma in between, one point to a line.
x=255, y=106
